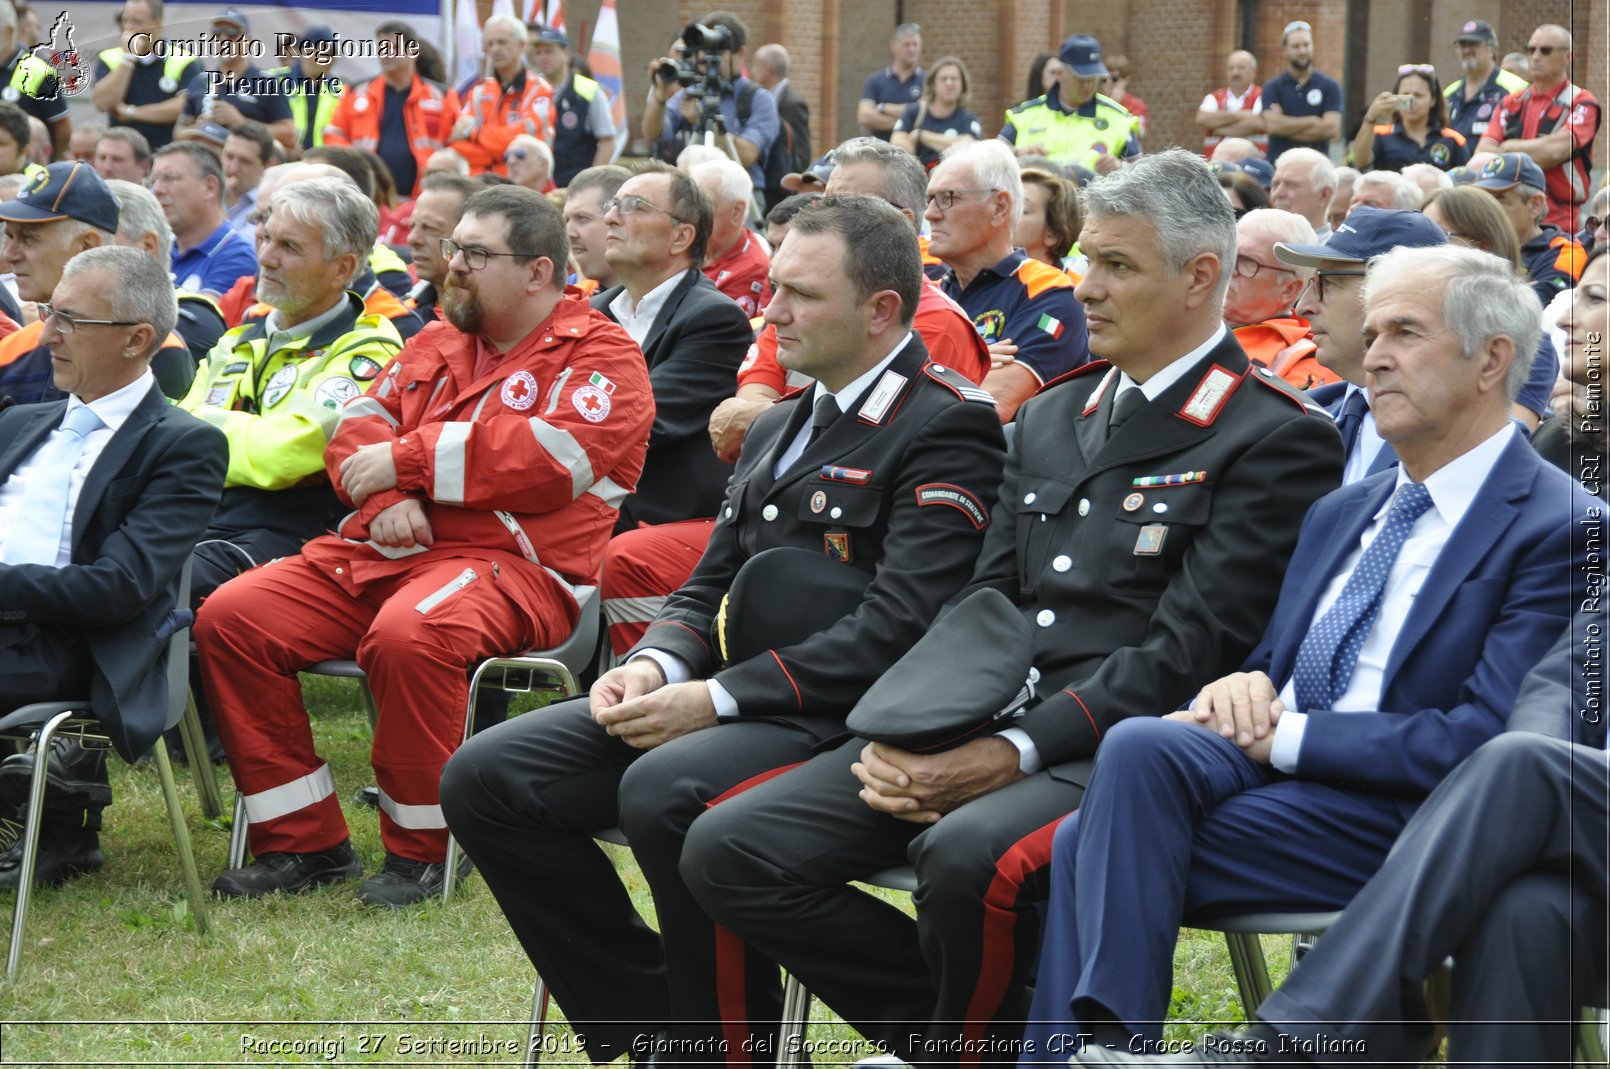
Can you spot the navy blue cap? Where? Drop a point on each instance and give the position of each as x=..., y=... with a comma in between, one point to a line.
x=813, y=177
x=1510, y=169
x=1366, y=232
x=1258, y=168
x=315, y=35
x=1477, y=30
x=231, y=16
x=551, y=36
x=64, y=191
x=208, y=133
x=1081, y=53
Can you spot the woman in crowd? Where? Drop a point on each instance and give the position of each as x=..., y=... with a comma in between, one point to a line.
x=1409, y=125
x=1042, y=75
x=1051, y=217
x=940, y=118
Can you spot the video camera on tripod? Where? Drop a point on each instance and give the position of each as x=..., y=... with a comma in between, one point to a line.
x=700, y=74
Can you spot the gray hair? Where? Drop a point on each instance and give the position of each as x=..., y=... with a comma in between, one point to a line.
x=995, y=168
x=1406, y=196
x=775, y=57
x=143, y=291
x=139, y=214
x=349, y=221
x=1435, y=176
x=1484, y=298
x=881, y=251
x=521, y=34
x=905, y=180
x=1320, y=169
x=1181, y=198
x=728, y=179
x=1280, y=226
x=535, y=144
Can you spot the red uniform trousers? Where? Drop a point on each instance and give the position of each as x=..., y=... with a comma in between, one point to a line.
x=642, y=568
x=416, y=634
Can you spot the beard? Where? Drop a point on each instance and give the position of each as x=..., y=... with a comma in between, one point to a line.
x=462, y=307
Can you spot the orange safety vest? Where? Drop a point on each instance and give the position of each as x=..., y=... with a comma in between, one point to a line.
x=1286, y=347
x=501, y=116
x=428, y=115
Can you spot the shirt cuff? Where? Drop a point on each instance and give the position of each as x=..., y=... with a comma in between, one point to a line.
x=1288, y=741
x=1028, y=755
x=675, y=668
x=726, y=705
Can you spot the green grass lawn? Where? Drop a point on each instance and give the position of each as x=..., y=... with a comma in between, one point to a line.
x=113, y=972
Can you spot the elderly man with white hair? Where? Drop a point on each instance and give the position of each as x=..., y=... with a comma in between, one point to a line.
x=509, y=102
x=1305, y=181
x=530, y=163
x=1263, y=293
x=737, y=260
x=1386, y=189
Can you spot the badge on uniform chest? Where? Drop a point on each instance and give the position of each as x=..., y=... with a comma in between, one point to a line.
x=1149, y=543
x=836, y=544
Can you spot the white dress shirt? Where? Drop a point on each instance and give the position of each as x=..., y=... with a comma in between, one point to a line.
x=637, y=319
x=1368, y=444
x=114, y=410
x=1453, y=488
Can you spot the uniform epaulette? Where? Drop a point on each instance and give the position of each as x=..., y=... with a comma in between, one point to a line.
x=1287, y=390
x=1038, y=101
x=958, y=384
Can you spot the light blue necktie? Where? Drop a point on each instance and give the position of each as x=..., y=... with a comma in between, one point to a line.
x=35, y=537
x=1329, y=653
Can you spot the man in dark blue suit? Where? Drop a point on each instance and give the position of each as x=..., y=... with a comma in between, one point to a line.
x=1394, y=653
x=1504, y=868
x=102, y=498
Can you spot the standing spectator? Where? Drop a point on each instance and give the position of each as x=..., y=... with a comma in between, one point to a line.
x=15, y=137
x=750, y=113
x=508, y=102
x=1042, y=75
x=136, y=89
x=1473, y=98
x=583, y=128
x=1409, y=125
x=1118, y=88
x=940, y=118
x=530, y=163
x=770, y=69
x=123, y=153
x=400, y=115
x=437, y=210
x=1304, y=183
x=1302, y=107
x=1553, y=122
x=1553, y=258
x=208, y=255
x=1073, y=125
x=248, y=152
x=1236, y=109
x=735, y=258
x=1051, y=217
x=31, y=84
x=238, y=89
x=886, y=93
x=308, y=87
x=1515, y=63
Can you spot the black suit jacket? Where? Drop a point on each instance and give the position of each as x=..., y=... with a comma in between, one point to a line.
x=144, y=504
x=1139, y=595
x=902, y=489
x=693, y=351
x=795, y=114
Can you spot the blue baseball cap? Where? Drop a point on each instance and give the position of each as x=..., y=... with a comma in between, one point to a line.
x=549, y=35
x=315, y=35
x=1081, y=54
x=1366, y=232
x=232, y=16
x=1260, y=169
x=1508, y=170
x=64, y=191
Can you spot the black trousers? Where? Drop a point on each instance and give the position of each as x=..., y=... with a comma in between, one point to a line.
x=524, y=799
x=774, y=865
x=41, y=663
x=1504, y=869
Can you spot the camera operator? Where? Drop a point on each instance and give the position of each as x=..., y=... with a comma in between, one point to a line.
x=712, y=68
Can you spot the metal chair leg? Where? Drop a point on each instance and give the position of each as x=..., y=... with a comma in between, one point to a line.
x=195, y=743
x=181, y=835
x=1251, y=971
x=369, y=705
x=1591, y=1038
x=796, y=1021
x=30, y=849
x=237, y=835
x=539, y=1024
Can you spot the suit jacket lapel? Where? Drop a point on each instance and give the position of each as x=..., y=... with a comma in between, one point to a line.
x=668, y=312
x=123, y=445
x=1490, y=515
x=32, y=429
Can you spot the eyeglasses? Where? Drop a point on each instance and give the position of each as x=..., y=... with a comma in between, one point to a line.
x=945, y=199
x=1319, y=278
x=1542, y=50
x=66, y=324
x=1247, y=267
x=514, y=154
x=1416, y=68
x=631, y=204
x=476, y=258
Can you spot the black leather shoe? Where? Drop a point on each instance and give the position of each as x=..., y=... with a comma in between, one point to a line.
x=402, y=881
x=62, y=856
x=1258, y=1045
x=75, y=775
x=289, y=873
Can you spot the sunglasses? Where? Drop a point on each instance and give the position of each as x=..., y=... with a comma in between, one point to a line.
x=1542, y=50
x=1417, y=68
x=514, y=154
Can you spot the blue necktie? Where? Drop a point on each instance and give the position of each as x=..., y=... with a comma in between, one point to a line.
x=36, y=534
x=1351, y=422
x=1329, y=653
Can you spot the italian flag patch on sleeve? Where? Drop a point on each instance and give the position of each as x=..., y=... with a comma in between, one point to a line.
x=1051, y=325
x=604, y=384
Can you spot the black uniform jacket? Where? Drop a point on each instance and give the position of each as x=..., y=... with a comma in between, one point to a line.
x=900, y=485
x=1139, y=593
